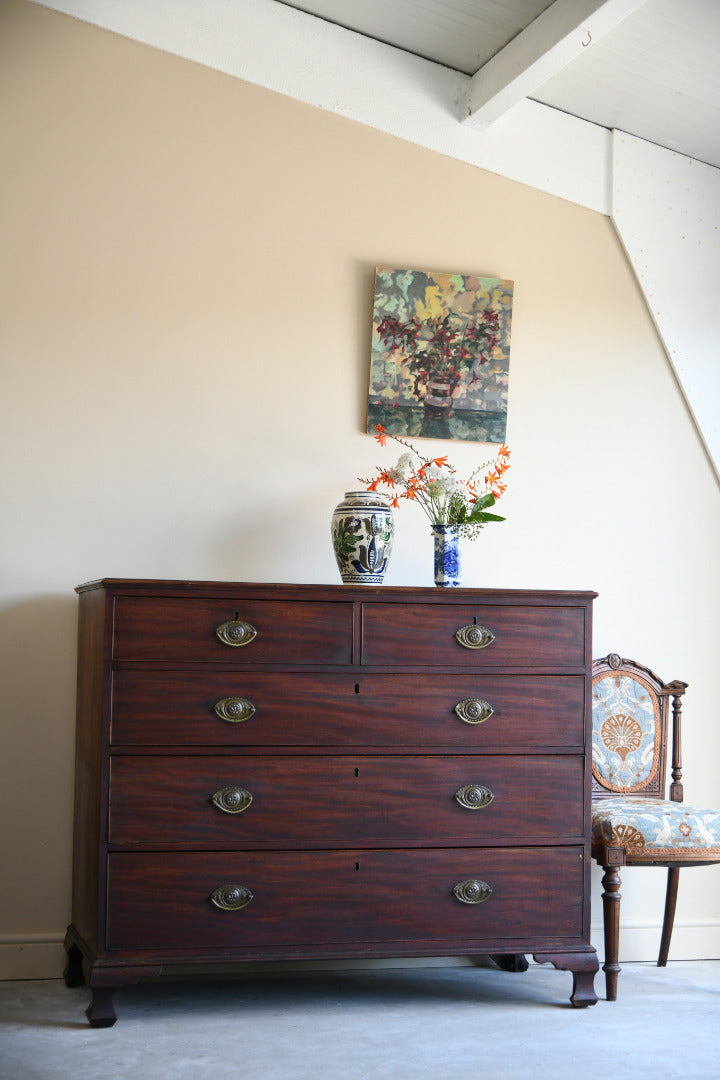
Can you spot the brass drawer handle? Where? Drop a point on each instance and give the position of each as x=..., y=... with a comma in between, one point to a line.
x=236, y=632
x=232, y=800
x=474, y=636
x=472, y=891
x=230, y=897
x=234, y=709
x=474, y=710
x=473, y=796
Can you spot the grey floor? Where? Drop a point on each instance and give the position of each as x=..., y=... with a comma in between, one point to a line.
x=415, y=1023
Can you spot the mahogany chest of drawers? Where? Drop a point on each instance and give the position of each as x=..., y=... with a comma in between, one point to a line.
x=299, y=771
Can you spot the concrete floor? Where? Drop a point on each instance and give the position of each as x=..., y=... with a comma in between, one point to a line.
x=417, y=1023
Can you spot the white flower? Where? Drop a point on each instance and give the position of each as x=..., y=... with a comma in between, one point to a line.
x=438, y=472
x=407, y=463
x=443, y=485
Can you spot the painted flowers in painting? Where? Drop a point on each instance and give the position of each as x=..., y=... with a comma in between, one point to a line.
x=434, y=485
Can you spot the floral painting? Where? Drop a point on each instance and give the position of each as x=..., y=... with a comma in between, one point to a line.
x=440, y=355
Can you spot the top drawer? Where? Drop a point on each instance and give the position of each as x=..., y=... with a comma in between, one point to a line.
x=482, y=637
x=232, y=631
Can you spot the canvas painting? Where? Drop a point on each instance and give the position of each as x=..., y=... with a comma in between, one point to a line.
x=440, y=356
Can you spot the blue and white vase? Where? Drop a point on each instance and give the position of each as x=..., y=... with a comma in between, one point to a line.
x=446, y=544
x=362, y=535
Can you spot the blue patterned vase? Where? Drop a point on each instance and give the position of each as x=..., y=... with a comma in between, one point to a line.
x=362, y=535
x=446, y=542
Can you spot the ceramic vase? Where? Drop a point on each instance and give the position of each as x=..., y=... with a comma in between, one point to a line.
x=447, y=562
x=362, y=535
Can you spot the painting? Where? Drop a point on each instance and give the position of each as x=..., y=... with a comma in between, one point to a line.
x=440, y=355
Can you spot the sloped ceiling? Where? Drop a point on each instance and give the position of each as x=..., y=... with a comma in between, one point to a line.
x=647, y=68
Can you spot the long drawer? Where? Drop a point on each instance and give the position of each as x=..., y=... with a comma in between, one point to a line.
x=249, y=708
x=163, y=901
x=312, y=801
x=477, y=637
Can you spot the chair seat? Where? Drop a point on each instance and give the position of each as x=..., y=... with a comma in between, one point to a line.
x=653, y=829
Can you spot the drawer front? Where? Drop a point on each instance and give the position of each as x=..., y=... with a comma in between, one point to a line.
x=425, y=634
x=147, y=628
x=195, y=709
x=162, y=901
x=311, y=802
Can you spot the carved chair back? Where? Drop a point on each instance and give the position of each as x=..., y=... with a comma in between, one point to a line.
x=630, y=717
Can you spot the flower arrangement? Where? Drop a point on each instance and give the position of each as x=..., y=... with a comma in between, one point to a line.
x=433, y=484
x=443, y=348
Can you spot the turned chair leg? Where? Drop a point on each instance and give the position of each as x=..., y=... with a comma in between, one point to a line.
x=611, y=921
x=669, y=919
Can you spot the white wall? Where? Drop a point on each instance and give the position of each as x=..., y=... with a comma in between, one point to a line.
x=185, y=300
x=666, y=209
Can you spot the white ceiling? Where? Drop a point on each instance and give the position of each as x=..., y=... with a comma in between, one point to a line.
x=646, y=68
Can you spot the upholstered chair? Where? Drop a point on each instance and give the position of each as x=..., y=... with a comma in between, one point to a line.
x=633, y=822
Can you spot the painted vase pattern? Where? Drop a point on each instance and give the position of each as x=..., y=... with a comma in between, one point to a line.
x=446, y=550
x=362, y=535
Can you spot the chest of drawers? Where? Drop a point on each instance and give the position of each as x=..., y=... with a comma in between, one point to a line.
x=297, y=771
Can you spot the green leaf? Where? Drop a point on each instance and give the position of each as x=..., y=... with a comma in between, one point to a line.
x=487, y=517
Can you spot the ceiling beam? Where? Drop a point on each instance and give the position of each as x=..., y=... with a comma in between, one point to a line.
x=560, y=34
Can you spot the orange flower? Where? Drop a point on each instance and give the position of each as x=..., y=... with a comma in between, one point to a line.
x=381, y=434
x=440, y=461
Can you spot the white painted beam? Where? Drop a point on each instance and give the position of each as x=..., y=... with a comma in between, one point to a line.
x=559, y=35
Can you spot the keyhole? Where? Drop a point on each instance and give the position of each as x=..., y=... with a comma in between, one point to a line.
x=357, y=865
x=357, y=772
x=357, y=687
x=474, y=620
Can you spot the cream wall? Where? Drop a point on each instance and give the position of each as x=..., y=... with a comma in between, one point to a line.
x=187, y=267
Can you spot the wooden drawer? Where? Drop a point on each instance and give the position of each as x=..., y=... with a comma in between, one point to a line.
x=148, y=628
x=172, y=708
x=351, y=800
x=424, y=634
x=162, y=901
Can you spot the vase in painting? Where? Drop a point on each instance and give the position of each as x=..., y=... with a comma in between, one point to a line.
x=437, y=407
x=362, y=536
x=446, y=555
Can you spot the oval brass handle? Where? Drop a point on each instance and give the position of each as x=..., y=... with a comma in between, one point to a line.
x=474, y=636
x=230, y=897
x=231, y=800
x=473, y=796
x=474, y=710
x=472, y=891
x=236, y=632
x=234, y=709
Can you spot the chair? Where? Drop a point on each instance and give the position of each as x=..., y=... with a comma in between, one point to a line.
x=633, y=824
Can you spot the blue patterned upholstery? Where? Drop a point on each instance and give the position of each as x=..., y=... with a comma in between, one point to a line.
x=626, y=733
x=656, y=829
